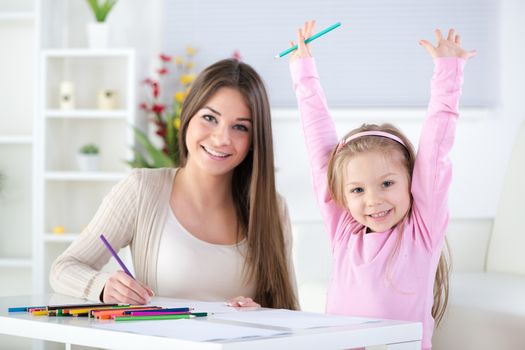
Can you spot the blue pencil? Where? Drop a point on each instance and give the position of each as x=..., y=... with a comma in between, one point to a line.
x=115, y=255
x=24, y=308
x=312, y=38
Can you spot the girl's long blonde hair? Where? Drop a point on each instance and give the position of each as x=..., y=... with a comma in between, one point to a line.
x=253, y=181
x=336, y=169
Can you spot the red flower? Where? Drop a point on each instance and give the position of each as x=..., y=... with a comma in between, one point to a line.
x=155, y=87
x=165, y=58
x=158, y=108
x=162, y=71
x=143, y=106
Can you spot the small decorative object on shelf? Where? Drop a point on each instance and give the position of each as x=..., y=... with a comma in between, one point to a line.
x=107, y=99
x=66, y=95
x=98, y=31
x=163, y=112
x=88, y=157
x=58, y=230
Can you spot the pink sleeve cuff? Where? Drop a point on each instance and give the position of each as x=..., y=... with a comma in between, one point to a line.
x=303, y=67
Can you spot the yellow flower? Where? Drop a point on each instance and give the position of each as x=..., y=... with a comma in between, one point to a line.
x=190, y=65
x=190, y=51
x=176, y=123
x=186, y=79
x=177, y=60
x=179, y=96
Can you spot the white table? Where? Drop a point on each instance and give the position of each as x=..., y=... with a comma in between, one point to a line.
x=396, y=335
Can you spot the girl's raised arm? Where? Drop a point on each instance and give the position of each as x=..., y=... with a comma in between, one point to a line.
x=433, y=170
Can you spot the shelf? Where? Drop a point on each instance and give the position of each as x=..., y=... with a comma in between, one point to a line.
x=84, y=176
x=15, y=262
x=81, y=52
x=16, y=140
x=60, y=238
x=17, y=16
x=86, y=114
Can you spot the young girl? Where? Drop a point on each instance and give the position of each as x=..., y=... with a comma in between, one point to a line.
x=384, y=208
x=211, y=230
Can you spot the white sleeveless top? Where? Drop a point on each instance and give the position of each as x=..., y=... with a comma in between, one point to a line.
x=189, y=268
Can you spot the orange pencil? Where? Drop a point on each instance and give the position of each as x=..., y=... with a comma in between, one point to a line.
x=107, y=314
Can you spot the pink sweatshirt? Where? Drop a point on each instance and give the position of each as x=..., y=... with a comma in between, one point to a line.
x=367, y=280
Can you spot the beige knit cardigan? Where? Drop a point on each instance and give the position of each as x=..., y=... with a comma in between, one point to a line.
x=134, y=214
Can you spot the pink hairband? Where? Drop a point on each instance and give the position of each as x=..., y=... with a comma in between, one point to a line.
x=369, y=133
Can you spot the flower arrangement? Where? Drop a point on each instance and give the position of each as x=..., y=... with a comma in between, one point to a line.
x=101, y=10
x=161, y=148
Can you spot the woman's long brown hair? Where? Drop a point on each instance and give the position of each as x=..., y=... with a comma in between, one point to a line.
x=253, y=181
x=336, y=166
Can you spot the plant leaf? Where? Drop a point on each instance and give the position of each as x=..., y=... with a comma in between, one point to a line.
x=160, y=160
x=138, y=161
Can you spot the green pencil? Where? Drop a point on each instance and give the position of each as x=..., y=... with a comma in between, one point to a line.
x=161, y=317
x=312, y=38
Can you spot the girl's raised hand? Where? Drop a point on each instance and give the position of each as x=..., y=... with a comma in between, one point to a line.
x=447, y=47
x=303, y=50
x=120, y=288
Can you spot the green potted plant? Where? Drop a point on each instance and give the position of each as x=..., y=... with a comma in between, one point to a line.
x=88, y=157
x=98, y=31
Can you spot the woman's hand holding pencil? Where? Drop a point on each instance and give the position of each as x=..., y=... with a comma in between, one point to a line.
x=121, y=288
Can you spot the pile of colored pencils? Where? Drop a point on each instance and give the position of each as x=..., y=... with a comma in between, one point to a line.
x=117, y=312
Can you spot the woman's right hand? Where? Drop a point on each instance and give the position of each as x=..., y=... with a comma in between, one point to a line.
x=303, y=50
x=120, y=288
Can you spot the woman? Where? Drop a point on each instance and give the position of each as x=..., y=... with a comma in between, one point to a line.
x=211, y=230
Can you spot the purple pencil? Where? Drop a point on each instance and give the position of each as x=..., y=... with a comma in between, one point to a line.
x=158, y=313
x=115, y=255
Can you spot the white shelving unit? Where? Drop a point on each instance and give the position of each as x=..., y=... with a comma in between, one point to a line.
x=66, y=196
x=20, y=35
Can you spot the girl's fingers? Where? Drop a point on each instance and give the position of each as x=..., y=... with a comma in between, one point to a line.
x=471, y=53
x=457, y=40
x=309, y=28
x=427, y=46
x=451, y=34
x=439, y=37
x=299, y=37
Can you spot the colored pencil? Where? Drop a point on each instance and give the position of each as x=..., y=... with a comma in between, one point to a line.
x=115, y=255
x=312, y=38
x=106, y=314
x=161, y=317
x=77, y=306
x=24, y=308
x=176, y=309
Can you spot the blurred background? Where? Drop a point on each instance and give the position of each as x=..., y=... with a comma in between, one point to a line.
x=73, y=89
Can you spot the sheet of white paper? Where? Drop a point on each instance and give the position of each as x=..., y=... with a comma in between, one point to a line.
x=198, y=306
x=291, y=319
x=192, y=330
